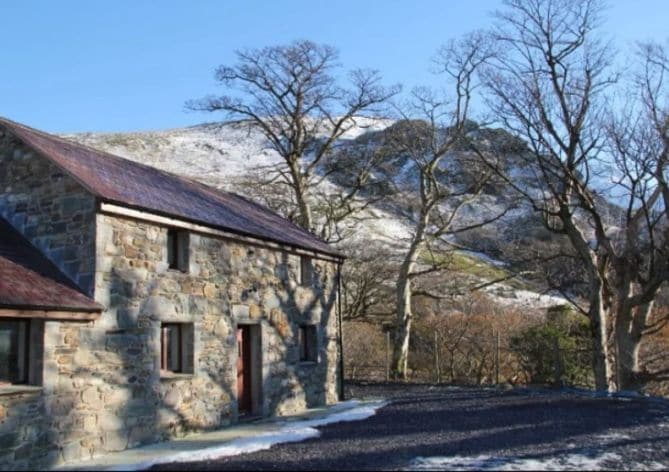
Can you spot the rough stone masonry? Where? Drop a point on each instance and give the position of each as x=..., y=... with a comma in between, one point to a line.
x=101, y=388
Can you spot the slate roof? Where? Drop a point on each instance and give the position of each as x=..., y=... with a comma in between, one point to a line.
x=28, y=280
x=117, y=180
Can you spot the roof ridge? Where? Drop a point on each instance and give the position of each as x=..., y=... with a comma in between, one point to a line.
x=133, y=162
x=146, y=166
x=91, y=148
x=137, y=185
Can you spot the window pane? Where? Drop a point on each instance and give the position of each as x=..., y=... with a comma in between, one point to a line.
x=172, y=249
x=306, y=270
x=303, y=343
x=13, y=354
x=308, y=343
x=171, y=346
x=182, y=249
x=174, y=349
x=311, y=343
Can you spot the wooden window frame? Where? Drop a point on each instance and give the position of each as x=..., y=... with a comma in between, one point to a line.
x=165, y=348
x=24, y=354
x=185, y=332
x=308, y=343
x=306, y=271
x=178, y=249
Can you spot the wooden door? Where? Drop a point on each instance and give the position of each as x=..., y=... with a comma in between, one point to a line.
x=244, y=373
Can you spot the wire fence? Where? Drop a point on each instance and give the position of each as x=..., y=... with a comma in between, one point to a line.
x=494, y=362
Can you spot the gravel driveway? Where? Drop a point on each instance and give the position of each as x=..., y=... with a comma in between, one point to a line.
x=477, y=428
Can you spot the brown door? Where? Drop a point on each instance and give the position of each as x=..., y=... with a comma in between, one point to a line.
x=244, y=375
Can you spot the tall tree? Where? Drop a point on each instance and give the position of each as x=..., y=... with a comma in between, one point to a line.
x=548, y=85
x=290, y=93
x=431, y=135
x=638, y=251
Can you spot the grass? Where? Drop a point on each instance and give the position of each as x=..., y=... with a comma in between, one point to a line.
x=469, y=265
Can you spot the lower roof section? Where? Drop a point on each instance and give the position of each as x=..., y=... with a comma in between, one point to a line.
x=29, y=282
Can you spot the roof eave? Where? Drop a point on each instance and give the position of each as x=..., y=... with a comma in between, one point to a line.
x=331, y=254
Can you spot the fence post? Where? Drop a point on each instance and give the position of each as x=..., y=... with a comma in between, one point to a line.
x=497, y=358
x=558, y=363
x=437, y=369
x=387, y=356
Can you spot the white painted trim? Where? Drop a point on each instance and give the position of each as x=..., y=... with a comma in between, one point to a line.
x=113, y=209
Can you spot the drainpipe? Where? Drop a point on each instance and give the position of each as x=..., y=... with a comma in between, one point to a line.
x=341, y=343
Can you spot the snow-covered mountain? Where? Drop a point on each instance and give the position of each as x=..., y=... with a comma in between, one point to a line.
x=222, y=154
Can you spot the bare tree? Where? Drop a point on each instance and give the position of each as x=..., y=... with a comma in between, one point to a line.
x=638, y=250
x=548, y=86
x=434, y=200
x=290, y=94
x=367, y=287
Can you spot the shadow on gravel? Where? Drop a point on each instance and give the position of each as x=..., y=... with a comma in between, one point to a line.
x=427, y=421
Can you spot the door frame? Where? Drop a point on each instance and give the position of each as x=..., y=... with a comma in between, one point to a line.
x=252, y=371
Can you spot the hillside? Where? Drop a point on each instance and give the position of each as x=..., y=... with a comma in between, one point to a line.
x=223, y=154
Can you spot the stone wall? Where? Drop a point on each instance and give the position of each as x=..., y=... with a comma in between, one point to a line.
x=103, y=391
x=227, y=284
x=49, y=208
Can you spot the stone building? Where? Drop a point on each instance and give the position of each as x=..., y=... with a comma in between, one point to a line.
x=137, y=305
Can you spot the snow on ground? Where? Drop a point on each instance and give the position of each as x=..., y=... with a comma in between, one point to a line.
x=289, y=431
x=484, y=462
x=216, y=153
x=583, y=461
x=383, y=227
x=365, y=124
x=612, y=437
x=518, y=297
x=222, y=154
x=484, y=258
x=586, y=458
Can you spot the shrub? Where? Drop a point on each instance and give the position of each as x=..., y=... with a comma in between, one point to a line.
x=556, y=351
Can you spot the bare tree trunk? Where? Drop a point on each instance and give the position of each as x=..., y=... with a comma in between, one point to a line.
x=299, y=185
x=602, y=364
x=402, y=322
x=629, y=330
x=403, y=304
x=305, y=219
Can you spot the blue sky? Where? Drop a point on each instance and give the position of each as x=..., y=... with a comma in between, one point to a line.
x=131, y=64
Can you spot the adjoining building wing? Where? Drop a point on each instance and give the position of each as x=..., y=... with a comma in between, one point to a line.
x=30, y=282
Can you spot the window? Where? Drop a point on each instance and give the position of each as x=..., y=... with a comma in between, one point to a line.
x=176, y=347
x=308, y=343
x=306, y=271
x=177, y=249
x=14, y=351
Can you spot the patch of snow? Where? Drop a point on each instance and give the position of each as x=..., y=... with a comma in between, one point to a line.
x=484, y=258
x=583, y=461
x=612, y=437
x=525, y=297
x=288, y=432
x=384, y=227
x=364, y=124
x=224, y=154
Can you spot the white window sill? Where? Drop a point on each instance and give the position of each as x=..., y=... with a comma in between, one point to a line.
x=19, y=389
